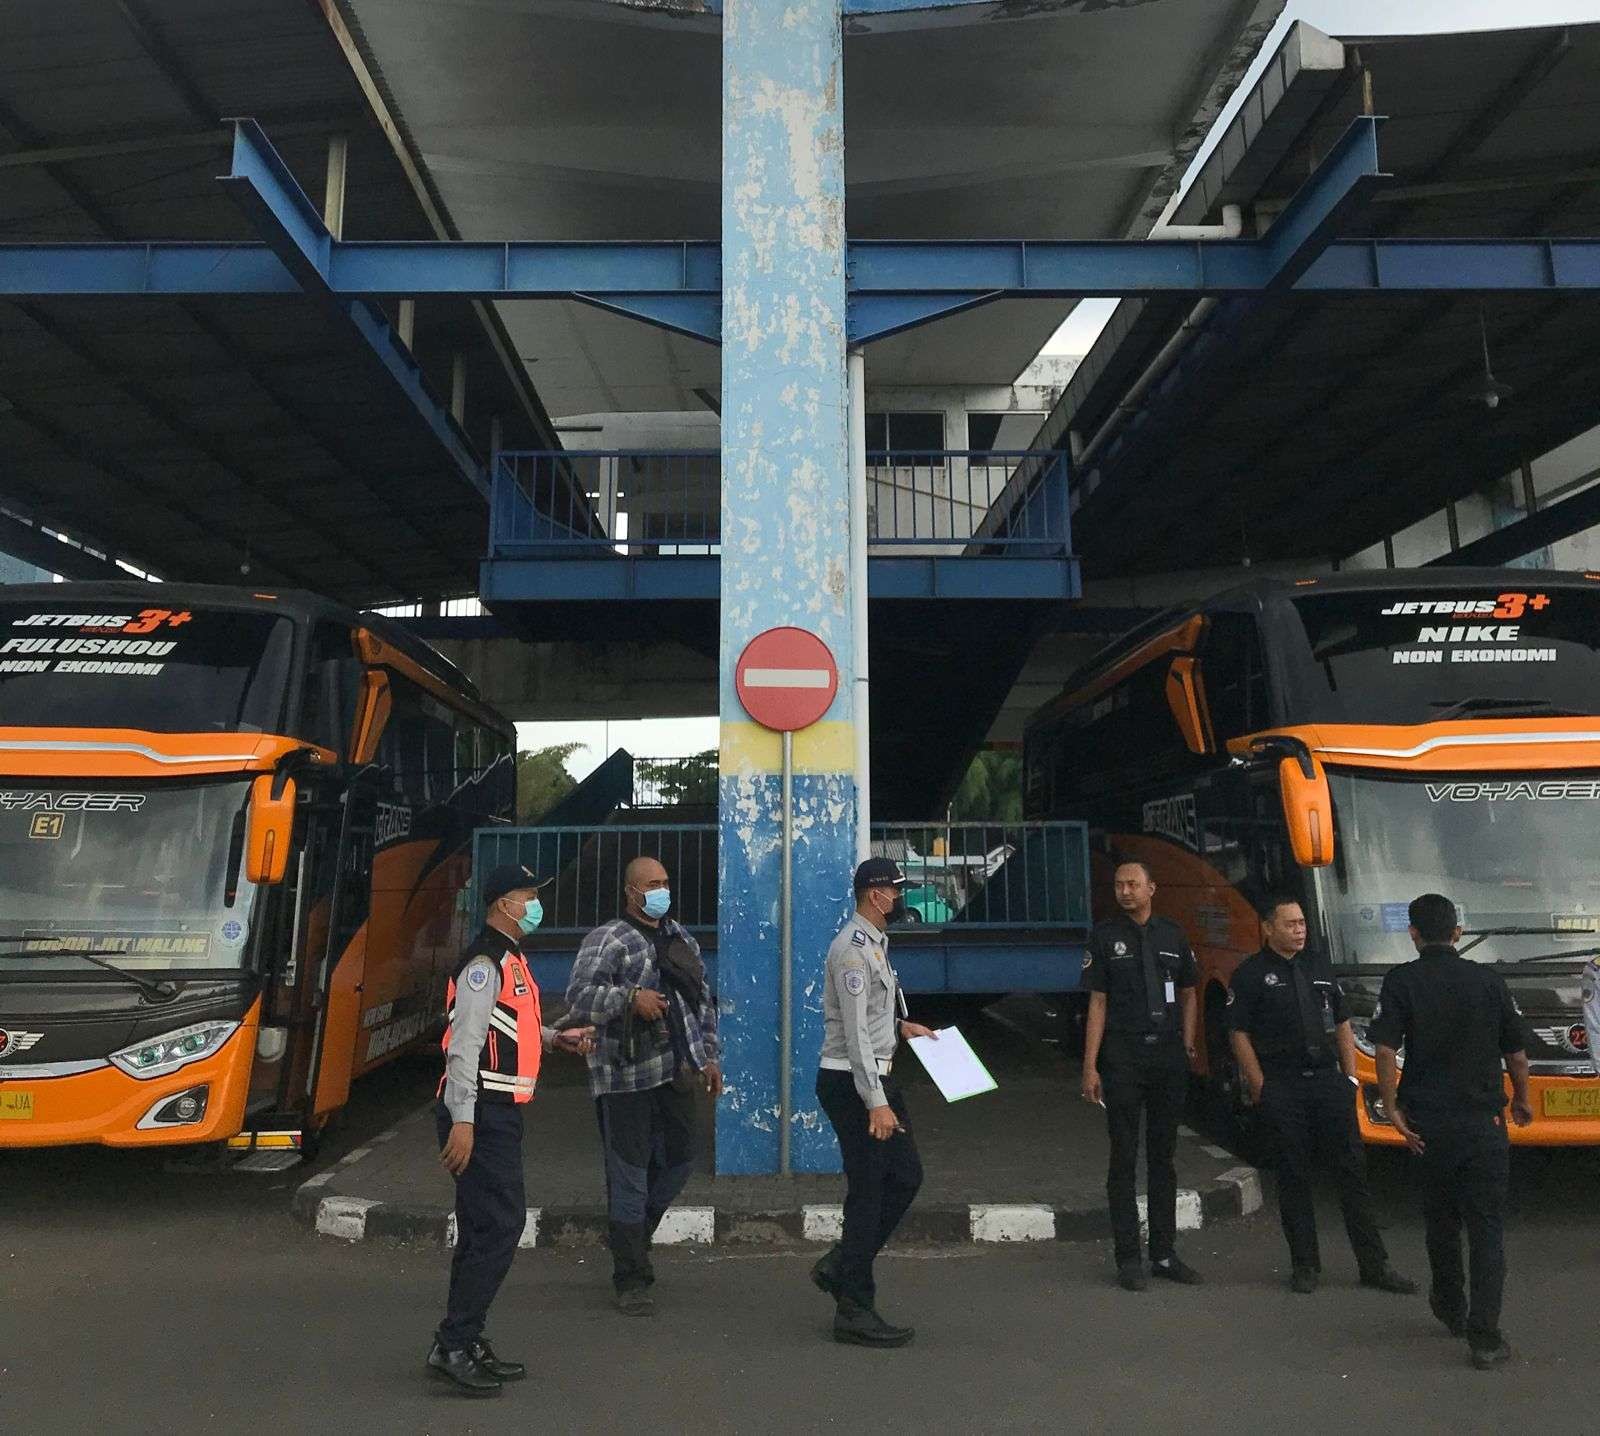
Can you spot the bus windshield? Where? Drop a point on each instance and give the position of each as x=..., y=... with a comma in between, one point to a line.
x=1417, y=656
x=161, y=670
x=150, y=880
x=1509, y=849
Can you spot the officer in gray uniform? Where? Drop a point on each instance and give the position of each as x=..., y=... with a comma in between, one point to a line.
x=863, y=1015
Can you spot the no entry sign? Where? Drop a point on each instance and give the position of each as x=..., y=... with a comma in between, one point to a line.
x=786, y=679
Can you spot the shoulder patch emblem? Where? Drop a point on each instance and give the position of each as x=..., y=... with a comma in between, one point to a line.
x=1120, y=948
x=855, y=982
x=1088, y=961
x=1377, y=1011
x=1272, y=980
x=1229, y=1002
x=477, y=977
x=859, y=938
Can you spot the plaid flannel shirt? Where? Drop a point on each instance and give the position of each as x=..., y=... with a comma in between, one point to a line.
x=614, y=960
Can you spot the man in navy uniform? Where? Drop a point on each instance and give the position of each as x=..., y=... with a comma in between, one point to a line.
x=1458, y=1024
x=1141, y=975
x=1297, y=1056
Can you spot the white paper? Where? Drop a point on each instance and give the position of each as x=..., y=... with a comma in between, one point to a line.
x=953, y=1065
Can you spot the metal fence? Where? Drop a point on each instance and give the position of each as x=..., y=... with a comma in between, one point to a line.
x=593, y=502
x=963, y=875
x=675, y=782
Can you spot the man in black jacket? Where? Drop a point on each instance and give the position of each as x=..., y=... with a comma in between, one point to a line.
x=1458, y=1024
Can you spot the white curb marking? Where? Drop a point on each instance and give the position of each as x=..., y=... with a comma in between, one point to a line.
x=1190, y=1216
x=320, y=1180
x=1222, y=1154
x=683, y=1225
x=344, y=1217
x=822, y=1223
x=530, y=1229
x=1248, y=1181
x=993, y=1222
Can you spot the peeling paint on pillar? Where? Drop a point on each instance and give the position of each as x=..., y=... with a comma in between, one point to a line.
x=785, y=553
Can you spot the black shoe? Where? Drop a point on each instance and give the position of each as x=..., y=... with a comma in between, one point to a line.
x=1304, y=1280
x=1130, y=1276
x=484, y=1355
x=461, y=1371
x=1485, y=1358
x=825, y=1274
x=1453, y=1321
x=1386, y=1278
x=861, y=1326
x=636, y=1302
x=1173, y=1269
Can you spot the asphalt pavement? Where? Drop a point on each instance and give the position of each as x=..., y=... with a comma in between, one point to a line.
x=135, y=1298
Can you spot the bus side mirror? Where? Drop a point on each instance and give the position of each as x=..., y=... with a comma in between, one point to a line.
x=1185, y=699
x=1307, y=808
x=272, y=800
x=377, y=701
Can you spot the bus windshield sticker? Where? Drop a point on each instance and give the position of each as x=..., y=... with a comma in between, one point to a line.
x=1580, y=790
x=26, y=801
x=124, y=647
x=121, y=944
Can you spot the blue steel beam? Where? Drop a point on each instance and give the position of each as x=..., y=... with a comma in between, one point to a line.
x=932, y=270
x=292, y=227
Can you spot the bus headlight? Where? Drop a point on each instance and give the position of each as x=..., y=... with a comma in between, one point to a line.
x=172, y=1050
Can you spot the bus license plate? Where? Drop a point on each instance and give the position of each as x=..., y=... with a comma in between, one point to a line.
x=1570, y=1102
x=16, y=1106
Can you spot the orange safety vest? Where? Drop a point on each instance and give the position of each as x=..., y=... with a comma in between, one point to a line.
x=508, y=1067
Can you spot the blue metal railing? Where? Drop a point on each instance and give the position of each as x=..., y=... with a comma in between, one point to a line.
x=587, y=503
x=967, y=876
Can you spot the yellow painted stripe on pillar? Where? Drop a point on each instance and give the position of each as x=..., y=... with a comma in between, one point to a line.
x=823, y=748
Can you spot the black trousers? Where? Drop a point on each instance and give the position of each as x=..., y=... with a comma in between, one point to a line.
x=881, y=1179
x=1465, y=1171
x=1313, y=1119
x=490, y=1212
x=1152, y=1078
x=649, y=1144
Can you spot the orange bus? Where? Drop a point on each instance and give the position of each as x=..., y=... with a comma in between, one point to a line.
x=235, y=841
x=1354, y=741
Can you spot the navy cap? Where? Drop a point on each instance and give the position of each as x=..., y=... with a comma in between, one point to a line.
x=878, y=873
x=507, y=878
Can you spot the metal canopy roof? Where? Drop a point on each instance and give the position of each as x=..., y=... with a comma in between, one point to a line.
x=187, y=435
x=1317, y=426
x=547, y=119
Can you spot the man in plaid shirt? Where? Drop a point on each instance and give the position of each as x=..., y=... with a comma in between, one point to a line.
x=640, y=982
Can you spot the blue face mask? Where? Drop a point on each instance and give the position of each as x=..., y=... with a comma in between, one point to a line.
x=656, y=903
x=532, y=916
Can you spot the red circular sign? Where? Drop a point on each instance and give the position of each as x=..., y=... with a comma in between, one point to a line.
x=786, y=679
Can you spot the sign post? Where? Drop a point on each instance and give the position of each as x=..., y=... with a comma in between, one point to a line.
x=786, y=679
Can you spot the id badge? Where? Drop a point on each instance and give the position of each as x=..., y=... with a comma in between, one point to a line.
x=1172, y=992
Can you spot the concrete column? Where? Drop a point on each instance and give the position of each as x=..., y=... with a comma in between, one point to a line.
x=785, y=548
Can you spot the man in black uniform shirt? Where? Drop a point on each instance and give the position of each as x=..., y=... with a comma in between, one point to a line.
x=1140, y=972
x=1457, y=1023
x=1292, y=1040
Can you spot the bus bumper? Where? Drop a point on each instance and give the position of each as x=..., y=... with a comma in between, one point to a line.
x=108, y=1108
x=1566, y=1113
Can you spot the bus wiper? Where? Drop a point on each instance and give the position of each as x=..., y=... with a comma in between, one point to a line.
x=1510, y=707
x=1477, y=934
x=156, y=991
x=1548, y=957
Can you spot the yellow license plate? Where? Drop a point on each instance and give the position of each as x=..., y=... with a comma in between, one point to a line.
x=16, y=1106
x=1572, y=1102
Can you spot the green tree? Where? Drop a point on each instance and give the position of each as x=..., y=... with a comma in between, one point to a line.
x=677, y=782
x=991, y=792
x=543, y=780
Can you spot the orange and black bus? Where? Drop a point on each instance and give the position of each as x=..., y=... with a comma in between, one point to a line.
x=235, y=841
x=1356, y=740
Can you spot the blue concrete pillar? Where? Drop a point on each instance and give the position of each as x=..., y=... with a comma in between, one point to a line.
x=785, y=547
